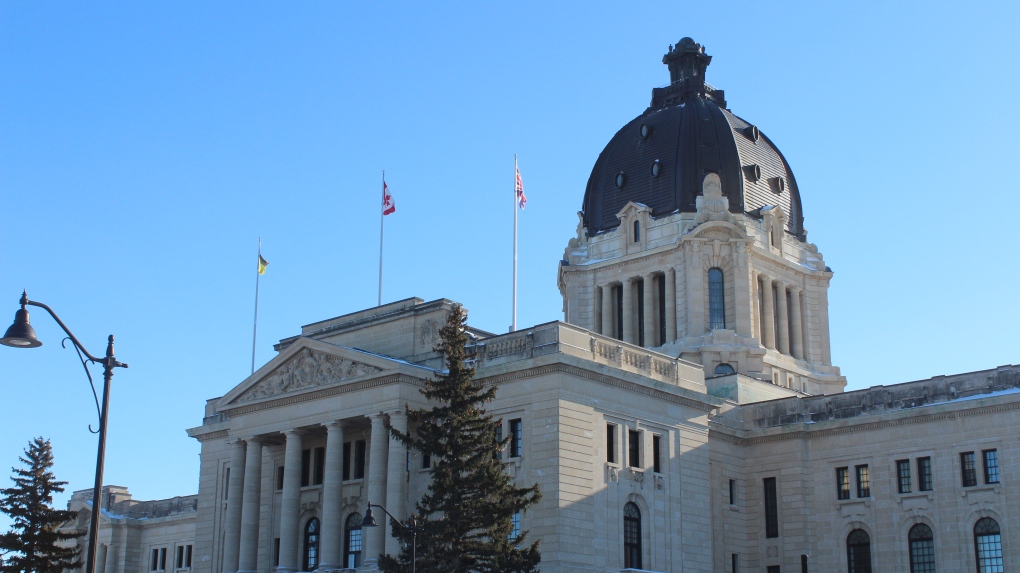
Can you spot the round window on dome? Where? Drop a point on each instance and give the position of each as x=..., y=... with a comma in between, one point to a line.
x=655, y=168
x=620, y=179
x=646, y=130
x=752, y=172
x=778, y=185
x=753, y=133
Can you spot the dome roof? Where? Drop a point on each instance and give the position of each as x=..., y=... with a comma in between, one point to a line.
x=660, y=158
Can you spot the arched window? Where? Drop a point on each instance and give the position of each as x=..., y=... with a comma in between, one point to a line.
x=724, y=369
x=311, y=561
x=631, y=536
x=922, y=549
x=716, y=302
x=637, y=231
x=988, y=546
x=352, y=542
x=858, y=552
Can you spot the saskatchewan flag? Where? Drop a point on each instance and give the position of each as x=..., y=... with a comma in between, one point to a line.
x=263, y=263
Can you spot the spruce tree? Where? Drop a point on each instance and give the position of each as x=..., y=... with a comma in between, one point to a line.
x=465, y=520
x=31, y=546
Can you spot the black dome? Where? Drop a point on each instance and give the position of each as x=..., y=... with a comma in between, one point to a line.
x=660, y=158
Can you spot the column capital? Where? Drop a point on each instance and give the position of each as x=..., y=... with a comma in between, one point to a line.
x=292, y=432
x=338, y=424
x=401, y=413
x=379, y=416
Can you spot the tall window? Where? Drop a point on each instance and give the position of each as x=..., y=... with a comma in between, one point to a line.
x=903, y=475
x=311, y=555
x=863, y=481
x=618, y=295
x=922, y=549
x=639, y=288
x=733, y=491
x=515, y=526
x=359, y=459
x=631, y=536
x=611, y=443
x=991, y=459
x=988, y=546
x=633, y=448
x=352, y=542
x=184, y=556
x=924, y=482
x=661, y=281
x=842, y=483
x=716, y=300
x=969, y=469
x=637, y=231
x=498, y=437
x=516, y=438
x=656, y=454
x=858, y=552
x=771, y=508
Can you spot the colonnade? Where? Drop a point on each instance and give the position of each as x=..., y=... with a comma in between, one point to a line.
x=386, y=485
x=781, y=323
x=625, y=326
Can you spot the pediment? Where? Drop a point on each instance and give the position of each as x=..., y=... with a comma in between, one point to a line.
x=718, y=230
x=631, y=208
x=306, y=365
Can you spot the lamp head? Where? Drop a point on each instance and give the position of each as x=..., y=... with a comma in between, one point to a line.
x=369, y=520
x=21, y=334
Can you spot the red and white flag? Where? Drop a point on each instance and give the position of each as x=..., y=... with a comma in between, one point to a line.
x=519, y=187
x=388, y=206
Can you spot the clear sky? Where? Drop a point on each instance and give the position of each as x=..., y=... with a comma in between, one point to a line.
x=146, y=146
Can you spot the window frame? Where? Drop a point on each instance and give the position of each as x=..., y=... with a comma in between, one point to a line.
x=611, y=430
x=771, y=501
x=633, y=448
x=968, y=469
x=716, y=299
x=991, y=470
x=925, y=479
x=843, y=483
x=352, y=533
x=917, y=543
x=632, y=542
x=982, y=558
x=858, y=549
x=657, y=453
x=360, y=451
x=904, y=483
x=311, y=539
x=863, y=475
x=516, y=427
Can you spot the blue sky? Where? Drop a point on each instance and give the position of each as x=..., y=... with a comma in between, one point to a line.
x=144, y=148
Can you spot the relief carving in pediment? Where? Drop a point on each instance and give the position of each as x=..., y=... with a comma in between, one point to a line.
x=306, y=370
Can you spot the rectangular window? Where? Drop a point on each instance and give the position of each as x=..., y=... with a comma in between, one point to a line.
x=991, y=458
x=498, y=438
x=306, y=468
x=639, y=285
x=279, y=478
x=661, y=280
x=226, y=485
x=180, y=557
x=735, y=563
x=611, y=443
x=733, y=491
x=656, y=452
x=969, y=469
x=276, y=552
x=516, y=522
x=319, y=460
x=184, y=557
x=772, y=569
x=359, y=459
x=187, y=556
x=924, y=480
x=426, y=461
x=863, y=483
x=633, y=448
x=771, y=508
x=162, y=558
x=842, y=483
x=154, y=564
x=618, y=291
x=516, y=438
x=903, y=475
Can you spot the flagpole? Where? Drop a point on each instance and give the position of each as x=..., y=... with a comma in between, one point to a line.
x=382, y=219
x=513, y=322
x=255, y=328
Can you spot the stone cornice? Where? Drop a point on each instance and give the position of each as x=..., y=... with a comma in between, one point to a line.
x=211, y=435
x=747, y=437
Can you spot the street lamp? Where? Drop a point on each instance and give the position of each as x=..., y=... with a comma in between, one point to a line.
x=411, y=526
x=22, y=335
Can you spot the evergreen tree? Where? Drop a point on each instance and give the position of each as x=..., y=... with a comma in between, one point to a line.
x=465, y=521
x=31, y=546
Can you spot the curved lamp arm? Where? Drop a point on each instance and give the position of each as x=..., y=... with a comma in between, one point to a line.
x=74, y=340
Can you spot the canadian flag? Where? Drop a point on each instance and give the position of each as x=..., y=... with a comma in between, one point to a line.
x=388, y=206
x=519, y=187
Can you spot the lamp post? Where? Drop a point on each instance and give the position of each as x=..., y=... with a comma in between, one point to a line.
x=411, y=526
x=22, y=335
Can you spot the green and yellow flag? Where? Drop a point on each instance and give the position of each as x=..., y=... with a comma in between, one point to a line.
x=263, y=263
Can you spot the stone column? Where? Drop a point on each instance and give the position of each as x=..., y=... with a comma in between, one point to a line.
x=249, y=552
x=795, y=318
x=374, y=537
x=235, y=485
x=101, y=558
x=607, y=312
x=628, y=311
x=290, y=507
x=783, y=317
x=768, y=327
x=331, y=537
x=396, y=480
x=651, y=328
x=670, y=279
x=111, y=559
